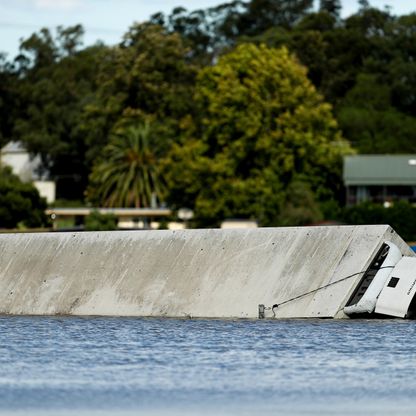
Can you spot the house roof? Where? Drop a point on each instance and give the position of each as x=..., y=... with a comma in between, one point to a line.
x=118, y=212
x=380, y=170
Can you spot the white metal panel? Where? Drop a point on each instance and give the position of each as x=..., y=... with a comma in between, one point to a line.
x=368, y=302
x=399, y=290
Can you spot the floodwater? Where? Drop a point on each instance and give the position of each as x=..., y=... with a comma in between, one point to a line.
x=129, y=366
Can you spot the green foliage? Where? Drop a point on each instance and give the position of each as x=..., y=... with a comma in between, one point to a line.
x=331, y=210
x=20, y=202
x=300, y=207
x=209, y=31
x=315, y=22
x=261, y=15
x=8, y=100
x=401, y=216
x=364, y=4
x=333, y=7
x=147, y=77
x=238, y=138
x=366, y=68
x=127, y=174
x=57, y=80
x=370, y=121
x=260, y=125
x=100, y=222
x=194, y=27
x=66, y=203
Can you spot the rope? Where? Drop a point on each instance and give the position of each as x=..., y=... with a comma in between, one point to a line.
x=276, y=305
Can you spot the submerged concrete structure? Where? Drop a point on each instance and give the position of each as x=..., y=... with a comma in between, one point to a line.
x=189, y=273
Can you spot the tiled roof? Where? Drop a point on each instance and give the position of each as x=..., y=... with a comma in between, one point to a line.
x=380, y=170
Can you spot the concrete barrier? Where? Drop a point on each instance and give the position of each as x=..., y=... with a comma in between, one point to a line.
x=197, y=273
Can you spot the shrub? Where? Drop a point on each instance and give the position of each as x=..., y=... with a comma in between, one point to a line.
x=20, y=203
x=100, y=222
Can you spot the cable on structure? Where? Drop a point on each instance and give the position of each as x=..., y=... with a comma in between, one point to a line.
x=276, y=305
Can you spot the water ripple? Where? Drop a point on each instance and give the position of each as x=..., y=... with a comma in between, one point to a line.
x=242, y=367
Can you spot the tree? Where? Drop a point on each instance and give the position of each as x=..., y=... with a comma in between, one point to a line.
x=370, y=121
x=260, y=125
x=147, y=76
x=402, y=67
x=321, y=21
x=208, y=32
x=100, y=222
x=367, y=69
x=195, y=28
x=127, y=174
x=333, y=7
x=300, y=206
x=56, y=81
x=261, y=15
x=306, y=40
x=8, y=99
x=364, y=4
x=401, y=216
x=20, y=202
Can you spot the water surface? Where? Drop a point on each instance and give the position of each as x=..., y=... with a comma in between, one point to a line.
x=165, y=366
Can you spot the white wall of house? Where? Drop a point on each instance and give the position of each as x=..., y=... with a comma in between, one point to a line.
x=25, y=167
x=237, y=223
x=47, y=190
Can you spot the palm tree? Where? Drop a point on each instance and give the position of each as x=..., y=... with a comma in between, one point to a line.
x=127, y=174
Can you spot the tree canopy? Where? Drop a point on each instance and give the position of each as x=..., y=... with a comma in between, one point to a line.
x=56, y=82
x=148, y=76
x=260, y=125
x=246, y=101
x=126, y=175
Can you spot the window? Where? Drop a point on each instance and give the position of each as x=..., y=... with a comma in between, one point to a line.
x=393, y=282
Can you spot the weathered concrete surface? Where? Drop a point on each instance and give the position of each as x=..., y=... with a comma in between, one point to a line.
x=198, y=273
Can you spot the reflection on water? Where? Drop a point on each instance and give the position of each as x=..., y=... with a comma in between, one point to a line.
x=166, y=366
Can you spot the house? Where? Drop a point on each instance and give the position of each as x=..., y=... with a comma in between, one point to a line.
x=380, y=178
x=26, y=167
